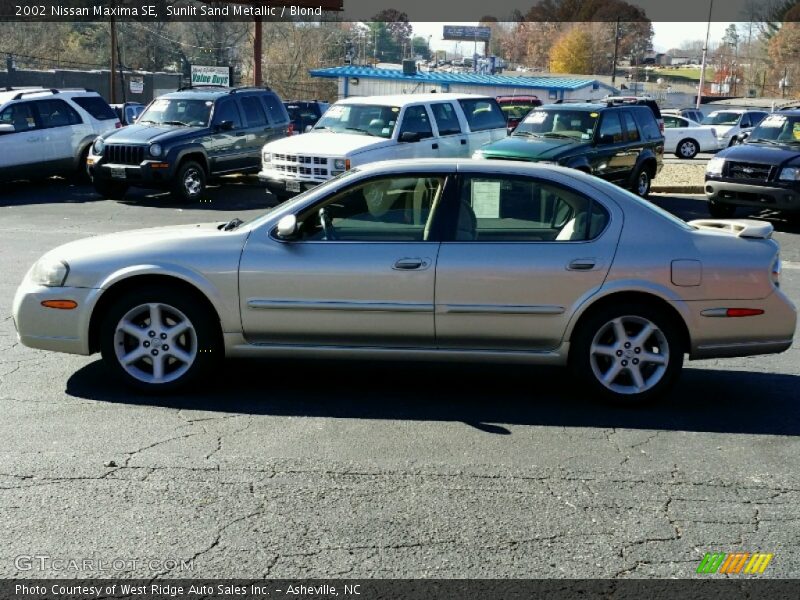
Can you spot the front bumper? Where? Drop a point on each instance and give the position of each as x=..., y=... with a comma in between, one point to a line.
x=49, y=328
x=149, y=173
x=750, y=194
x=283, y=186
x=721, y=337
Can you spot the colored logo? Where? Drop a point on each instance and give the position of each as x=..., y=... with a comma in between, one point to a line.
x=738, y=562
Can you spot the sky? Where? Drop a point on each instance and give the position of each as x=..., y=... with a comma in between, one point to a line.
x=667, y=35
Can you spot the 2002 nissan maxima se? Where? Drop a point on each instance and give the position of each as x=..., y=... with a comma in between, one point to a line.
x=450, y=259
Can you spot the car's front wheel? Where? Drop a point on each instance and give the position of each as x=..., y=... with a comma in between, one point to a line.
x=190, y=182
x=158, y=339
x=627, y=353
x=687, y=149
x=721, y=211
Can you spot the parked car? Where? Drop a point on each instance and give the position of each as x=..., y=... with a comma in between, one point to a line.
x=693, y=114
x=728, y=124
x=304, y=114
x=128, y=112
x=516, y=107
x=617, y=142
x=640, y=101
x=45, y=132
x=685, y=138
x=763, y=172
x=356, y=131
x=423, y=259
x=186, y=137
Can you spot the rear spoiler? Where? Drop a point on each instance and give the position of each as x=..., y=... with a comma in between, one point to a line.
x=745, y=228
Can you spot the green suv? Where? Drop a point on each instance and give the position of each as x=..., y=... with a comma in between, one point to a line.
x=620, y=143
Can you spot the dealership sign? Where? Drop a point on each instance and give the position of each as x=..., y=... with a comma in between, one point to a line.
x=211, y=75
x=467, y=33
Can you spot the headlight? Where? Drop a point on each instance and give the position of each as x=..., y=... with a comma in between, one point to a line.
x=50, y=272
x=478, y=154
x=790, y=174
x=266, y=157
x=339, y=164
x=99, y=146
x=155, y=150
x=714, y=166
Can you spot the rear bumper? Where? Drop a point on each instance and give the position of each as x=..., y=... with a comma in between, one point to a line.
x=721, y=337
x=748, y=194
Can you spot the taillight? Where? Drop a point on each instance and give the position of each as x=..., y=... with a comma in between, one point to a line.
x=290, y=129
x=661, y=126
x=117, y=125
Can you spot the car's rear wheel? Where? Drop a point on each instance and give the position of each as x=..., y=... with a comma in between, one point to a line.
x=190, y=182
x=81, y=174
x=627, y=353
x=110, y=189
x=641, y=182
x=687, y=149
x=721, y=211
x=159, y=339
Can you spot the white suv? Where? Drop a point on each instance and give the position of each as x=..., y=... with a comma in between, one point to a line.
x=49, y=132
x=356, y=131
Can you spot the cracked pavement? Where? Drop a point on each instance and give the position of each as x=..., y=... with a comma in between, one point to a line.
x=281, y=469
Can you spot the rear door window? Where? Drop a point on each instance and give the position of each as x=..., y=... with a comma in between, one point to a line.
x=253, y=112
x=56, y=113
x=483, y=114
x=631, y=131
x=95, y=106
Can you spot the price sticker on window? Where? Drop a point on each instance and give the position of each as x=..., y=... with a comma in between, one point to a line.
x=774, y=121
x=486, y=199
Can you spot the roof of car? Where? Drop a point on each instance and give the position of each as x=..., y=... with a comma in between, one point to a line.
x=7, y=95
x=209, y=92
x=404, y=99
x=519, y=98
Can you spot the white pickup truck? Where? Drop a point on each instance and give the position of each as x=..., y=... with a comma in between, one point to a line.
x=362, y=130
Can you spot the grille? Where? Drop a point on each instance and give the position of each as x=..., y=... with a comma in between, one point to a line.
x=315, y=167
x=124, y=155
x=742, y=170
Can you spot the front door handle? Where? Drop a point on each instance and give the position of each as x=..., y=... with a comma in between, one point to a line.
x=463, y=142
x=411, y=264
x=582, y=264
x=435, y=146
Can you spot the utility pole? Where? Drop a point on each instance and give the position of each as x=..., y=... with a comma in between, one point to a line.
x=614, y=60
x=113, y=79
x=258, y=47
x=121, y=76
x=705, y=54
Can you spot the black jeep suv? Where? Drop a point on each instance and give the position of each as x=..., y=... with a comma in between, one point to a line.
x=620, y=143
x=762, y=172
x=186, y=137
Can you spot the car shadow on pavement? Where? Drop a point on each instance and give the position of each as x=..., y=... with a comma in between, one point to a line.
x=483, y=396
x=53, y=190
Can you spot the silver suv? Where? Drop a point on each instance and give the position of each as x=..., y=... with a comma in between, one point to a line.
x=46, y=132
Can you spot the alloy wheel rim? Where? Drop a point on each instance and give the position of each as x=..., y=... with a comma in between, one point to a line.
x=687, y=149
x=629, y=355
x=643, y=183
x=191, y=182
x=155, y=343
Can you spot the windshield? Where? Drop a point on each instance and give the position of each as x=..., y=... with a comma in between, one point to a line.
x=783, y=129
x=362, y=119
x=172, y=111
x=721, y=118
x=576, y=124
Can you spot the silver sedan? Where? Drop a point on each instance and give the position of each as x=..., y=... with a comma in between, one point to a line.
x=452, y=260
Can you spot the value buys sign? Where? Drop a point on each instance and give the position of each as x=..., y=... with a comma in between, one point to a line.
x=211, y=75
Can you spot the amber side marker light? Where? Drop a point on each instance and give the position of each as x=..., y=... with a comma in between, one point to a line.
x=60, y=304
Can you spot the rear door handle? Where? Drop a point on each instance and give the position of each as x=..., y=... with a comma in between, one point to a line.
x=463, y=142
x=411, y=264
x=435, y=146
x=241, y=134
x=582, y=264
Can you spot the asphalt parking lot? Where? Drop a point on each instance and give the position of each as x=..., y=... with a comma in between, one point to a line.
x=362, y=469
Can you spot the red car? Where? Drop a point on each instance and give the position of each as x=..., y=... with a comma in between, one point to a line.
x=516, y=107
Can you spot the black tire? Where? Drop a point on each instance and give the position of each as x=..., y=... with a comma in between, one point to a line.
x=687, y=149
x=642, y=182
x=589, y=366
x=189, y=183
x=81, y=174
x=202, y=343
x=721, y=211
x=110, y=189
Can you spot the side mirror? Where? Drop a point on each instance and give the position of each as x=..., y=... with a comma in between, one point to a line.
x=308, y=128
x=7, y=128
x=224, y=126
x=409, y=136
x=287, y=227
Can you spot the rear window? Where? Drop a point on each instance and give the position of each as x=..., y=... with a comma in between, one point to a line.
x=483, y=114
x=96, y=106
x=647, y=123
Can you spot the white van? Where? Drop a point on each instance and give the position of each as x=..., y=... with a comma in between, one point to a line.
x=356, y=131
